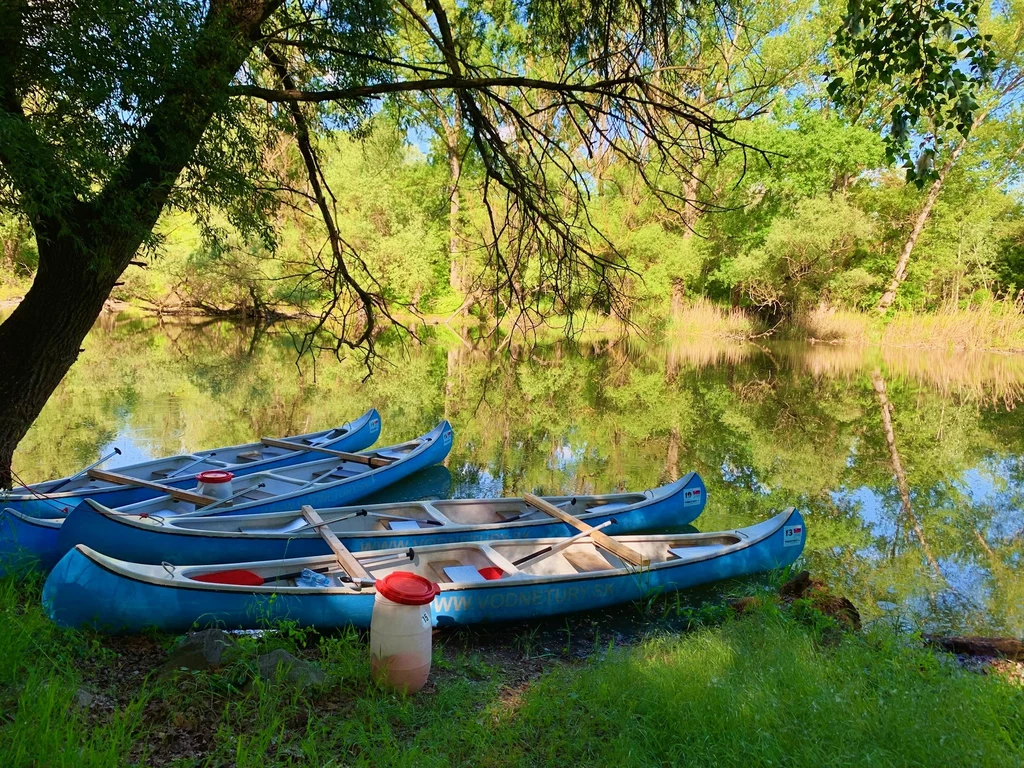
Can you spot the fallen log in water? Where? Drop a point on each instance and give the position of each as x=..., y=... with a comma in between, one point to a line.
x=1002, y=647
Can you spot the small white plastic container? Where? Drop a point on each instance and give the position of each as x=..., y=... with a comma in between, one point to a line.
x=215, y=483
x=400, y=631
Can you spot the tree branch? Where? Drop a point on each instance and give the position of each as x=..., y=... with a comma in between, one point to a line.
x=453, y=83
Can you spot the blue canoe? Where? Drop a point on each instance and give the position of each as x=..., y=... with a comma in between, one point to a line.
x=239, y=538
x=58, y=497
x=27, y=539
x=88, y=589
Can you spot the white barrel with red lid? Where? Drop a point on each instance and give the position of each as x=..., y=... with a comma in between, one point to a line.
x=400, y=630
x=215, y=483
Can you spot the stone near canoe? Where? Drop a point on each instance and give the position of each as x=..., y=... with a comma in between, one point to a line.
x=83, y=699
x=798, y=586
x=203, y=650
x=802, y=586
x=281, y=666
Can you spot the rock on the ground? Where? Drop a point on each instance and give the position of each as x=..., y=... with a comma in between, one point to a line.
x=281, y=666
x=798, y=586
x=83, y=699
x=839, y=608
x=203, y=650
x=743, y=605
x=802, y=586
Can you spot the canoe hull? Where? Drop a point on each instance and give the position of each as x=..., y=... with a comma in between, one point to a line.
x=82, y=592
x=27, y=542
x=364, y=433
x=118, y=537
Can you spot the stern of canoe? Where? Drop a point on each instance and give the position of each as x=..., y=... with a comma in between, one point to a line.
x=27, y=542
x=81, y=592
x=117, y=536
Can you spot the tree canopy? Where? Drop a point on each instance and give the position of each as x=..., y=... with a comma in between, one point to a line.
x=557, y=118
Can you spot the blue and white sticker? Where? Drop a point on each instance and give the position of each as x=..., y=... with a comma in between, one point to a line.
x=793, y=535
x=692, y=496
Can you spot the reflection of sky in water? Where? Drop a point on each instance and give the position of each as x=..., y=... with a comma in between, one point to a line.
x=745, y=476
x=963, y=587
x=870, y=507
x=565, y=457
x=134, y=445
x=472, y=481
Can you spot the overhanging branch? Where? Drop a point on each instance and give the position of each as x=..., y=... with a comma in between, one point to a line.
x=429, y=84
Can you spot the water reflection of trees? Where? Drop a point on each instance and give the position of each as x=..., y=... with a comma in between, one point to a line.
x=766, y=426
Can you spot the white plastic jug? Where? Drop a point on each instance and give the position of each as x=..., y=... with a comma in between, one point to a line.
x=400, y=631
x=215, y=483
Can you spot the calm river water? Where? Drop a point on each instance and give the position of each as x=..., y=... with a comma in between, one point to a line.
x=908, y=464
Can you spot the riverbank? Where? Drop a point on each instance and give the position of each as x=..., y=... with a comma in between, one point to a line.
x=995, y=326
x=772, y=684
x=991, y=325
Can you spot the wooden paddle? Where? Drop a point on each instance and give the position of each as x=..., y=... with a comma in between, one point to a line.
x=554, y=549
x=349, y=516
x=175, y=493
x=600, y=539
x=372, y=461
x=346, y=559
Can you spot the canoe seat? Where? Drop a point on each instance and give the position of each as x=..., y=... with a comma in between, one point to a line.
x=256, y=495
x=341, y=472
x=404, y=525
x=236, y=576
x=439, y=567
x=384, y=454
x=587, y=562
x=687, y=553
x=249, y=456
x=618, y=505
x=293, y=525
x=464, y=574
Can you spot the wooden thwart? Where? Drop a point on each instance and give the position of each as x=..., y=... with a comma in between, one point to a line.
x=543, y=554
x=373, y=461
x=602, y=540
x=345, y=558
x=175, y=493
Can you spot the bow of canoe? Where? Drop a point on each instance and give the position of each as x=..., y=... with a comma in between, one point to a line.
x=40, y=498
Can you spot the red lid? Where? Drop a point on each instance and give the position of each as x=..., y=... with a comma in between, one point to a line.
x=407, y=588
x=215, y=476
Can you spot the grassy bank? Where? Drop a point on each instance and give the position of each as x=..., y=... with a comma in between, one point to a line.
x=766, y=688
x=990, y=325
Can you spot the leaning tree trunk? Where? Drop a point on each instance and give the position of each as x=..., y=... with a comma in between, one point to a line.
x=42, y=338
x=902, y=486
x=900, y=274
x=456, y=278
x=85, y=246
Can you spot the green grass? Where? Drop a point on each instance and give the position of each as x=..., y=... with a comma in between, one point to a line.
x=768, y=688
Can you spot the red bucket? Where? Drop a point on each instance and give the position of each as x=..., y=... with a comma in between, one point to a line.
x=491, y=573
